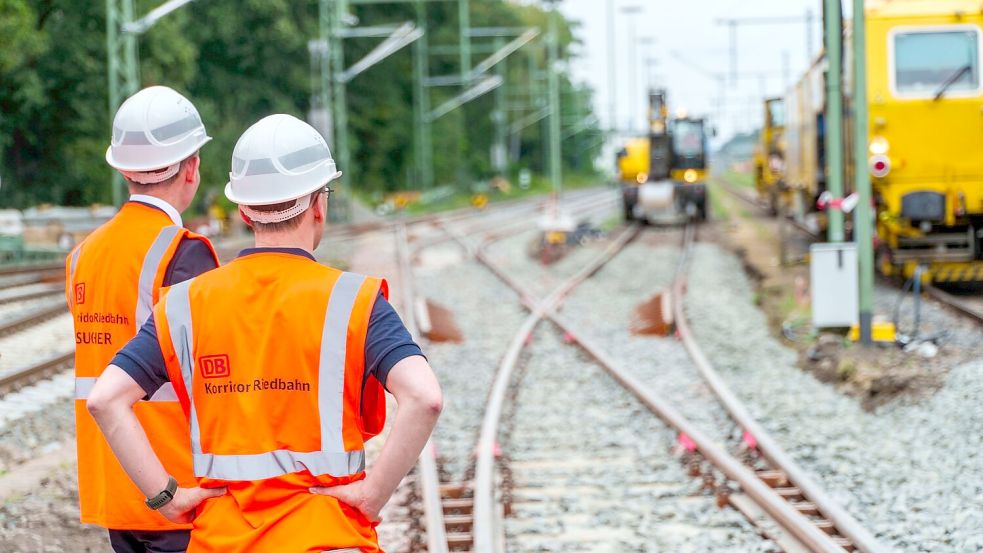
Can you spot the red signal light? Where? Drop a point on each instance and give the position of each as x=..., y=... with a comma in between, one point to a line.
x=880, y=166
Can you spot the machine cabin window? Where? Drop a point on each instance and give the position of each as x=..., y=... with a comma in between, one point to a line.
x=688, y=138
x=927, y=62
x=776, y=113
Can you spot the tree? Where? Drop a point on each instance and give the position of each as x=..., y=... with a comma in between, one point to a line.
x=237, y=61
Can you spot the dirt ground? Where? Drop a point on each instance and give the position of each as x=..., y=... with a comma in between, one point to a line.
x=875, y=375
x=39, y=508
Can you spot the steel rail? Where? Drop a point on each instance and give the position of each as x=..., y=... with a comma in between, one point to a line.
x=796, y=523
x=20, y=280
x=732, y=189
x=427, y=475
x=960, y=306
x=496, y=229
x=23, y=376
x=484, y=489
x=845, y=524
x=11, y=295
x=15, y=324
x=783, y=513
x=18, y=268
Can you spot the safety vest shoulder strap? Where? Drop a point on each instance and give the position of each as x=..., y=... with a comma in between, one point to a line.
x=155, y=264
x=176, y=333
x=71, y=262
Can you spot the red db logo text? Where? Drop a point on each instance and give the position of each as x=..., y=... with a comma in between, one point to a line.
x=215, y=366
x=80, y=293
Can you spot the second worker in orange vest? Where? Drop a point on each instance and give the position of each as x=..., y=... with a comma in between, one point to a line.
x=277, y=362
x=113, y=280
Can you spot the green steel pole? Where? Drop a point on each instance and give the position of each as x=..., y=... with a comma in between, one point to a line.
x=834, y=116
x=500, y=116
x=554, y=99
x=340, y=108
x=324, y=66
x=124, y=78
x=464, y=22
x=421, y=69
x=862, y=215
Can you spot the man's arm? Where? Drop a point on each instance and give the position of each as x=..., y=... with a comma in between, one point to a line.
x=111, y=404
x=414, y=385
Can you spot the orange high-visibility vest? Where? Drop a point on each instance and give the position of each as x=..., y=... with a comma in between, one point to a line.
x=113, y=280
x=267, y=356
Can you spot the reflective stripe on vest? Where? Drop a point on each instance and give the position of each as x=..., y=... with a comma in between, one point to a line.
x=148, y=272
x=75, y=261
x=332, y=459
x=84, y=385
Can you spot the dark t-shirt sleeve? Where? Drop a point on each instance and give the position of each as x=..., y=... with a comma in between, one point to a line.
x=142, y=359
x=387, y=340
x=191, y=258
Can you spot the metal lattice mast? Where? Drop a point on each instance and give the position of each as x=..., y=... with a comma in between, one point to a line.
x=554, y=101
x=323, y=79
x=464, y=23
x=124, y=76
x=500, y=117
x=422, y=126
x=336, y=50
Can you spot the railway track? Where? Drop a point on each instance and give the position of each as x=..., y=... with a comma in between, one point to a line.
x=27, y=283
x=31, y=317
x=970, y=307
x=750, y=200
x=31, y=291
x=25, y=376
x=776, y=495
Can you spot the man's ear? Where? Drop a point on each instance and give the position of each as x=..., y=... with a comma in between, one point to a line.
x=191, y=168
x=320, y=208
x=245, y=219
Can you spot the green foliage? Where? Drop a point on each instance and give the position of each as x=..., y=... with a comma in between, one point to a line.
x=239, y=61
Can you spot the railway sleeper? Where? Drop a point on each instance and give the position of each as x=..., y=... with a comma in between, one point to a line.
x=774, y=478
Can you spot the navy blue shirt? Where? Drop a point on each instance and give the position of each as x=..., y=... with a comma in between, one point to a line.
x=387, y=342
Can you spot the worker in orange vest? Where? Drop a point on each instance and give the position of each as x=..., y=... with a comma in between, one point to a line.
x=113, y=280
x=279, y=363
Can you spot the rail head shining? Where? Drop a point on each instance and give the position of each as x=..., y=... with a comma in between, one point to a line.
x=848, y=526
x=428, y=478
x=485, y=515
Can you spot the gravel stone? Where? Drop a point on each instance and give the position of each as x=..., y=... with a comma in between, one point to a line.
x=603, y=307
x=910, y=471
x=13, y=310
x=35, y=343
x=593, y=471
x=34, y=417
x=488, y=314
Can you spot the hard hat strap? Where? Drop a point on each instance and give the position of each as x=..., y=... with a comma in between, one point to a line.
x=152, y=177
x=267, y=217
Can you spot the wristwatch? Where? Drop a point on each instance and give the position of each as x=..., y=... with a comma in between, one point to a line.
x=164, y=497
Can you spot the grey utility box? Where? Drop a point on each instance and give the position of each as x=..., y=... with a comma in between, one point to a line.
x=833, y=274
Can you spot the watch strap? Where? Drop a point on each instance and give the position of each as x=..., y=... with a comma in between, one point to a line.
x=165, y=496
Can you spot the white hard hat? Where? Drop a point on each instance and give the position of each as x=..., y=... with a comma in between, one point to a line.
x=155, y=129
x=278, y=159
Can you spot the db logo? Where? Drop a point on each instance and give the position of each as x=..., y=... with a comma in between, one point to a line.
x=80, y=293
x=214, y=366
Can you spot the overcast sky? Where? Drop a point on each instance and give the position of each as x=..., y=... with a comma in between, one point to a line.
x=690, y=49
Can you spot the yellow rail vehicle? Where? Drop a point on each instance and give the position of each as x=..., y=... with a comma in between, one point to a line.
x=925, y=136
x=663, y=176
x=769, y=156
